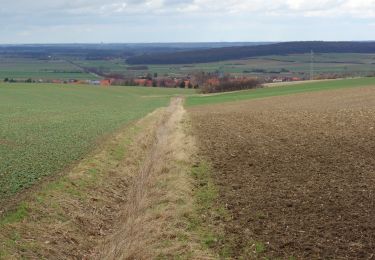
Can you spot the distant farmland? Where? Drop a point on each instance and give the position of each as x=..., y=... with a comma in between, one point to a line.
x=75, y=61
x=25, y=68
x=295, y=65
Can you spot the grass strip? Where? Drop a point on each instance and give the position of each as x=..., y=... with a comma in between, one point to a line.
x=279, y=91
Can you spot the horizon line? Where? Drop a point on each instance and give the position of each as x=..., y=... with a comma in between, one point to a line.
x=177, y=42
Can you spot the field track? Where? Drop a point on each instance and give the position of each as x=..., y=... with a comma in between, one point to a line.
x=131, y=199
x=296, y=173
x=140, y=232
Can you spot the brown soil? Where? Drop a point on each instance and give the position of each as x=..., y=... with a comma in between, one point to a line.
x=296, y=173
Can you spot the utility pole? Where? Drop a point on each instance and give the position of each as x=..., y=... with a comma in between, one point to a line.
x=312, y=65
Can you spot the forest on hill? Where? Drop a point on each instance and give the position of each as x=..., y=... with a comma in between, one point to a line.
x=241, y=52
x=106, y=51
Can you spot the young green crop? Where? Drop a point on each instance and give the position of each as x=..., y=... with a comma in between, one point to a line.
x=24, y=68
x=279, y=91
x=44, y=128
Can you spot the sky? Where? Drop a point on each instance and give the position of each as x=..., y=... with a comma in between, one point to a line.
x=132, y=21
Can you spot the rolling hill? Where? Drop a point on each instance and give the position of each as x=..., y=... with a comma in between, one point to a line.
x=241, y=52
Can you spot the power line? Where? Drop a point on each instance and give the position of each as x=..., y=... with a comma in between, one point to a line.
x=312, y=65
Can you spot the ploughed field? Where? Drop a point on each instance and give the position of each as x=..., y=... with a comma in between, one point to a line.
x=295, y=173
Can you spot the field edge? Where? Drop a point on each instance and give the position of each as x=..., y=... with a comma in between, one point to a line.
x=265, y=92
x=80, y=213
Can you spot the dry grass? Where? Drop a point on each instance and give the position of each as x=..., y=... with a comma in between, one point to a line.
x=160, y=200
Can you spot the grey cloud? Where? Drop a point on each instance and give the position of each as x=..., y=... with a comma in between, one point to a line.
x=208, y=6
x=56, y=20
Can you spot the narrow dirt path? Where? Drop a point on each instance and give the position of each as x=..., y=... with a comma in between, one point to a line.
x=159, y=198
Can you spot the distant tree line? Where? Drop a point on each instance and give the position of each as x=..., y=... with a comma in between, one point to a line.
x=230, y=53
x=213, y=83
x=11, y=80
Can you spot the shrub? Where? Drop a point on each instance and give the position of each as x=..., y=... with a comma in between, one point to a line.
x=230, y=84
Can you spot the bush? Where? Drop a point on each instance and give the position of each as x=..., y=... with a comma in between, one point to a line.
x=227, y=84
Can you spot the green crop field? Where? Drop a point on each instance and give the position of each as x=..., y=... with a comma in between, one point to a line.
x=23, y=68
x=278, y=65
x=278, y=91
x=44, y=128
x=294, y=65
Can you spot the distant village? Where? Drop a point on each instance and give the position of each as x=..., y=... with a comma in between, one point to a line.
x=207, y=82
x=189, y=81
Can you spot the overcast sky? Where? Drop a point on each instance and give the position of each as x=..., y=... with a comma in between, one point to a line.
x=109, y=21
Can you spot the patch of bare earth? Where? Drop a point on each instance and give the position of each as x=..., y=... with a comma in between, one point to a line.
x=130, y=200
x=296, y=173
